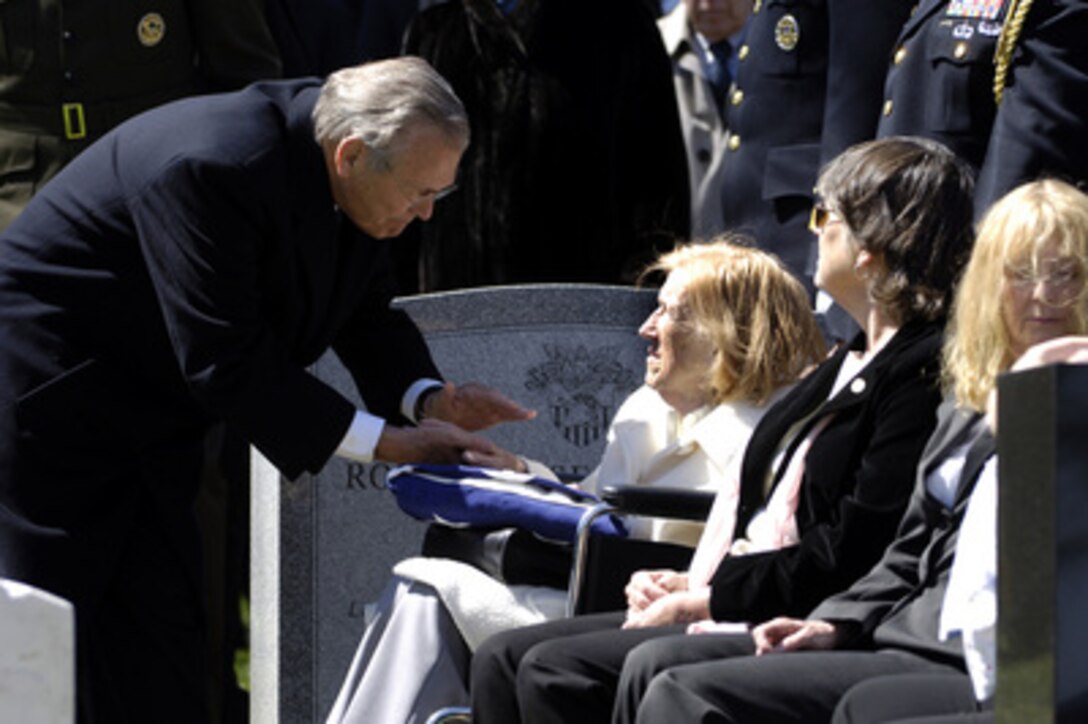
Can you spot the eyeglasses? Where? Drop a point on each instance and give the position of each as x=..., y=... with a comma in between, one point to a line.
x=417, y=199
x=820, y=217
x=1061, y=286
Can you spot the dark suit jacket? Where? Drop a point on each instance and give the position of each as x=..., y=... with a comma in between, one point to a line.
x=898, y=603
x=796, y=104
x=940, y=85
x=857, y=479
x=182, y=271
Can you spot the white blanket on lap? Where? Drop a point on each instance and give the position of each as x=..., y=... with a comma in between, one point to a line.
x=480, y=605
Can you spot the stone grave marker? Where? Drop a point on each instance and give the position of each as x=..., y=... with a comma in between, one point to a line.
x=323, y=545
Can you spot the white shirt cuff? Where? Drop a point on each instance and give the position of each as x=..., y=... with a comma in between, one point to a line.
x=408, y=402
x=362, y=437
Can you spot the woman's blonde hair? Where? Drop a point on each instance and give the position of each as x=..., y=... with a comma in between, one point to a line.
x=978, y=346
x=756, y=314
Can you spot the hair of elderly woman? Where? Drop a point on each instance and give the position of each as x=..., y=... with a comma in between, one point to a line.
x=378, y=101
x=908, y=201
x=757, y=315
x=1012, y=234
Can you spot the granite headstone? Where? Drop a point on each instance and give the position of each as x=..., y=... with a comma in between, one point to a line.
x=323, y=545
x=1042, y=639
x=37, y=656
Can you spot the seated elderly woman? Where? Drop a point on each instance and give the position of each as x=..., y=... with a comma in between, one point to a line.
x=827, y=473
x=1024, y=285
x=732, y=330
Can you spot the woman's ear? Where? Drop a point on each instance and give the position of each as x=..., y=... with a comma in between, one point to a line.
x=867, y=265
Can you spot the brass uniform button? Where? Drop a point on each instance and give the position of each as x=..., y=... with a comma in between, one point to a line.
x=737, y=98
x=960, y=52
x=888, y=107
x=734, y=142
x=900, y=55
x=742, y=52
x=757, y=7
x=150, y=30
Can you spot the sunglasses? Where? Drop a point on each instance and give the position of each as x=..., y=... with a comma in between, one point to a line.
x=819, y=218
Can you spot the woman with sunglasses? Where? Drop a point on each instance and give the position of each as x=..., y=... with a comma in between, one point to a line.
x=827, y=473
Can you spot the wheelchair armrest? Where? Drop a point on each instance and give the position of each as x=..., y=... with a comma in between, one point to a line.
x=659, y=502
x=633, y=500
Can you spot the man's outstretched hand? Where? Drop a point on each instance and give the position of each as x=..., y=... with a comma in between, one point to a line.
x=473, y=406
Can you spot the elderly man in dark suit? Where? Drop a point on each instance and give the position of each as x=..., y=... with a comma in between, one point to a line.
x=181, y=272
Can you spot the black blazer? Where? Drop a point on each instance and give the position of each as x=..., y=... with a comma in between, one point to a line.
x=185, y=270
x=857, y=479
x=898, y=603
x=800, y=98
x=940, y=85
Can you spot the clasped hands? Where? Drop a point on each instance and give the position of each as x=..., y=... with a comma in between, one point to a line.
x=660, y=597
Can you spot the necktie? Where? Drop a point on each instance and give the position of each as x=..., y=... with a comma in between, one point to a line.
x=718, y=71
x=720, y=76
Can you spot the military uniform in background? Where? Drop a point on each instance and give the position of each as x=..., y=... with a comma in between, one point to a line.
x=808, y=85
x=70, y=71
x=941, y=84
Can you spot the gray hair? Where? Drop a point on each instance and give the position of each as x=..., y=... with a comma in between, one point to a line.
x=377, y=102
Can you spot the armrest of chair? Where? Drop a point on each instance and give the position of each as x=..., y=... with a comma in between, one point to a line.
x=660, y=502
x=633, y=500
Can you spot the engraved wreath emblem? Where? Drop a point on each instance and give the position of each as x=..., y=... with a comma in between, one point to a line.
x=582, y=387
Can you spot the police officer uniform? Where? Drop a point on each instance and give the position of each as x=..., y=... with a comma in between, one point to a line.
x=70, y=71
x=809, y=70
x=941, y=84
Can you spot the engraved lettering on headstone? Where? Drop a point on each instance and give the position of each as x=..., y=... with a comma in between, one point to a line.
x=582, y=388
x=366, y=476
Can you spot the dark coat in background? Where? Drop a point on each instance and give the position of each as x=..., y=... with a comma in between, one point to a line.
x=181, y=272
x=807, y=87
x=941, y=85
x=577, y=169
x=316, y=37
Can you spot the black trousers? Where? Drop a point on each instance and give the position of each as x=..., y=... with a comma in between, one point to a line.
x=133, y=574
x=801, y=687
x=913, y=699
x=560, y=671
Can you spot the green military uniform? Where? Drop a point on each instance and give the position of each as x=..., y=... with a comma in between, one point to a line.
x=70, y=71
